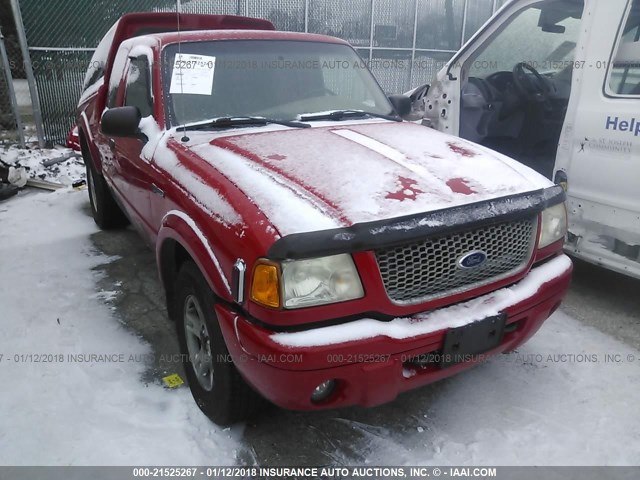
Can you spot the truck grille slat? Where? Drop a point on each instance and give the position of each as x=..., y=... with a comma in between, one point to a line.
x=429, y=269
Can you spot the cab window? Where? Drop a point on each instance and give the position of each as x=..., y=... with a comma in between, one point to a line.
x=624, y=76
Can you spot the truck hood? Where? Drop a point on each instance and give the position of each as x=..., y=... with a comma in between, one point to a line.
x=341, y=174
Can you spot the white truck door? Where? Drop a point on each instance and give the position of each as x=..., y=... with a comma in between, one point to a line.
x=599, y=151
x=509, y=87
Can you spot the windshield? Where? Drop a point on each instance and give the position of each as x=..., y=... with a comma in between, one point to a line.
x=276, y=79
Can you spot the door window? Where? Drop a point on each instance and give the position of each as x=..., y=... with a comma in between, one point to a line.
x=515, y=97
x=624, y=75
x=544, y=35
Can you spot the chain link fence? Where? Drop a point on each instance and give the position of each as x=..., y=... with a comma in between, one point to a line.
x=405, y=41
x=14, y=101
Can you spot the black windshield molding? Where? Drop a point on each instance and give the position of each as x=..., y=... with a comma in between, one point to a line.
x=403, y=230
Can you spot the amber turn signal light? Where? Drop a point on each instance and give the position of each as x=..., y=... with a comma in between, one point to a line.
x=265, y=285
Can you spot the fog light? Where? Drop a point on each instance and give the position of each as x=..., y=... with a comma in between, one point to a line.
x=323, y=391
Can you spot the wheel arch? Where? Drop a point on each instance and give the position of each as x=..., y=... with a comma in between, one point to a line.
x=180, y=240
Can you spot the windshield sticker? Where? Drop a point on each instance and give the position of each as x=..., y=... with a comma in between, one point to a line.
x=192, y=74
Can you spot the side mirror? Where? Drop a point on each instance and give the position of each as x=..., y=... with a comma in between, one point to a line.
x=401, y=104
x=418, y=93
x=122, y=122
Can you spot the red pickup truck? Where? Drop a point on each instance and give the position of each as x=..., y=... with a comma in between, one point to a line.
x=315, y=249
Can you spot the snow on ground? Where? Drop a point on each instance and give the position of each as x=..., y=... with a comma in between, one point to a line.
x=556, y=401
x=66, y=172
x=70, y=413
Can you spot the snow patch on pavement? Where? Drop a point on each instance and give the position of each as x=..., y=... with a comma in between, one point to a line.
x=32, y=159
x=65, y=412
x=555, y=401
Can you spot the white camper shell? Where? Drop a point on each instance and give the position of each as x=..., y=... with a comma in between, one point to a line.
x=555, y=84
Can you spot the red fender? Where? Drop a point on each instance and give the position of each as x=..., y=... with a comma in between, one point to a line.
x=178, y=226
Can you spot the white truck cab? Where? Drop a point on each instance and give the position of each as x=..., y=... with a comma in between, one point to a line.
x=555, y=84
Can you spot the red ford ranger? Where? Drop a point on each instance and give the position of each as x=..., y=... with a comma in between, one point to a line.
x=315, y=249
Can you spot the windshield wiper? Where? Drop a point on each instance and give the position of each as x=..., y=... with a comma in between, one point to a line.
x=342, y=114
x=229, y=122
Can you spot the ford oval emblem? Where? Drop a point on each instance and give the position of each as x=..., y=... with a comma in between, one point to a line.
x=472, y=259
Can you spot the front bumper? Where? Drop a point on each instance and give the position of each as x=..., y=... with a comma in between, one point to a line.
x=370, y=359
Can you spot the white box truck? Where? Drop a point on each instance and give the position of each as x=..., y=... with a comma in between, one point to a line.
x=555, y=84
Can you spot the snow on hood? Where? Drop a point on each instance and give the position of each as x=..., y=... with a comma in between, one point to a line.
x=338, y=175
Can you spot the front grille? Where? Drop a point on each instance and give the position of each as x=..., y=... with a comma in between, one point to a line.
x=429, y=269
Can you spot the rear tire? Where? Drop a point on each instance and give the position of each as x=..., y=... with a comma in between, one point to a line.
x=215, y=383
x=106, y=212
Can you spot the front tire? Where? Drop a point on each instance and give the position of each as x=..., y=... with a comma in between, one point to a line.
x=215, y=383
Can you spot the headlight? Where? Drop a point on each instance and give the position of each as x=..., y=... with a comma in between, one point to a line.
x=320, y=281
x=554, y=225
x=306, y=283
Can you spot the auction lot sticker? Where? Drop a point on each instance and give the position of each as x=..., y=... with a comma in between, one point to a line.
x=192, y=74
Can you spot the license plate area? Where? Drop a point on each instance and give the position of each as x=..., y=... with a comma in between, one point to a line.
x=462, y=343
